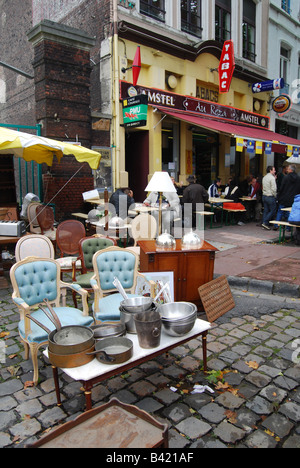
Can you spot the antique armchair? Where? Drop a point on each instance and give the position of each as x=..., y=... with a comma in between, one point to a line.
x=108, y=264
x=34, y=244
x=88, y=246
x=33, y=280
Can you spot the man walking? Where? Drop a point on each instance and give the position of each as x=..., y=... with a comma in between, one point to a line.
x=269, y=197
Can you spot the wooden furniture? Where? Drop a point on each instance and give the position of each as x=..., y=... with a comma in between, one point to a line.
x=192, y=268
x=112, y=425
x=4, y=242
x=94, y=372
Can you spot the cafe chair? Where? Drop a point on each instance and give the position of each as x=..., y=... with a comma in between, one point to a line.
x=108, y=264
x=88, y=246
x=33, y=280
x=68, y=235
x=34, y=244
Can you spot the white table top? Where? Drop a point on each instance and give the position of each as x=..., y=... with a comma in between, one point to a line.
x=219, y=200
x=95, y=368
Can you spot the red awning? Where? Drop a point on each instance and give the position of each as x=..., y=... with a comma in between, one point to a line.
x=233, y=130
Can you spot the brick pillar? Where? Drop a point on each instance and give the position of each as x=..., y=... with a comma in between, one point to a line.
x=62, y=92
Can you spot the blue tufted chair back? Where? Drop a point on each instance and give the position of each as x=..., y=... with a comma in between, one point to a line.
x=37, y=281
x=116, y=263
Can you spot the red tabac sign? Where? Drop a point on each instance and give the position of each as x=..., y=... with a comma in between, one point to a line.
x=227, y=66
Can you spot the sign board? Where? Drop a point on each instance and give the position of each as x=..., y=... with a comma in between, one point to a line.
x=161, y=98
x=226, y=67
x=135, y=111
x=269, y=85
x=282, y=104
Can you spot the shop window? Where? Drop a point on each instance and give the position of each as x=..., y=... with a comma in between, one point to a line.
x=223, y=20
x=249, y=30
x=153, y=8
x=286, y=5
x=191, y=17
x=285, y=55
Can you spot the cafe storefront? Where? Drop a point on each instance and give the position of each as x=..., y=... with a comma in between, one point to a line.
x=190, y=135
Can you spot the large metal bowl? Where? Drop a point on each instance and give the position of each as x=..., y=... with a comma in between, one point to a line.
x=137, y=304
x=177, y=310
x=179, y=327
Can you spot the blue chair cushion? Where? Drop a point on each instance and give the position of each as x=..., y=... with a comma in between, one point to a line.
x=66, y=315
x=109, y=307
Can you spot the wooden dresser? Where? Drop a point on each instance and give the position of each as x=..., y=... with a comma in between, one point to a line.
x=192, y=268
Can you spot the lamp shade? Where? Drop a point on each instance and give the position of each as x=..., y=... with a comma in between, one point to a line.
x=160, y=182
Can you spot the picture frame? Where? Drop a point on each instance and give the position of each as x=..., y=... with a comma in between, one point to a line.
x=160, y=278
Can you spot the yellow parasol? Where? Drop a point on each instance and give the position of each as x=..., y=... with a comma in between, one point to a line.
x=41, y=149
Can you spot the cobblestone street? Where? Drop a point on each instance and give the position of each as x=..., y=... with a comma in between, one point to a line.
x=255, y=383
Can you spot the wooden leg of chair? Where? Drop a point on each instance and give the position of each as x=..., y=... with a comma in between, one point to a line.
x=34, y=350
x=26, y=349
x=74, y=299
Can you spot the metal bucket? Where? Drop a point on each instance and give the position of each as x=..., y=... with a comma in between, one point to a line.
x=148, y=328
x=128, y=317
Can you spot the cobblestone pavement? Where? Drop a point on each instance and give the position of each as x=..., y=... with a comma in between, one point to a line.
x=253, y=372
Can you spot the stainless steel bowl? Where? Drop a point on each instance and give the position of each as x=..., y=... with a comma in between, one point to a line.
x=127, y=317
x=177, y=310
x=179, y=327
x=137, y=304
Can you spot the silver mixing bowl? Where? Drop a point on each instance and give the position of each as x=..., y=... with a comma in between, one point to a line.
x=179, y=327
x=137, y=304
x=177, y=310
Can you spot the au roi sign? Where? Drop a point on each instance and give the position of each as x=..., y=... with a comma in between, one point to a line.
x=135, y=111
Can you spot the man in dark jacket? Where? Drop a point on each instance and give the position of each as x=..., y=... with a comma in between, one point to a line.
x=193, y=194
x=290, y=187
x=122, y=199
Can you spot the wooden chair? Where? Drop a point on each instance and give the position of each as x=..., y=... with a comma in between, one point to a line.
x=68, y=235
x=34, y=245
x=33, y=280
x=46, y=219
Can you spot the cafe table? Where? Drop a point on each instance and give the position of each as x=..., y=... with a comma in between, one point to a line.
x=213, y=201
x=95, y=372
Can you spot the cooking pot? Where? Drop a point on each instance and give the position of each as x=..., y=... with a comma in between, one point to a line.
x=114, y=350
x=106, y=329
x=65, y=340
x=69, y=361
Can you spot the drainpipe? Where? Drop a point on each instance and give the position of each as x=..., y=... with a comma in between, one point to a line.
x=116, y=99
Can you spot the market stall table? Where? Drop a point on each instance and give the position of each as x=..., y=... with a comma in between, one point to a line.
x=95, y=372
x=4, y=241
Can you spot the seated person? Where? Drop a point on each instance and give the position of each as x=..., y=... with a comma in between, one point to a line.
x=213, y=190
x=122, y=199
x=235, y=194
x=171, y=208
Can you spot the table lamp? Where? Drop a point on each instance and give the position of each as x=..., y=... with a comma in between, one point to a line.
x=160, y=182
